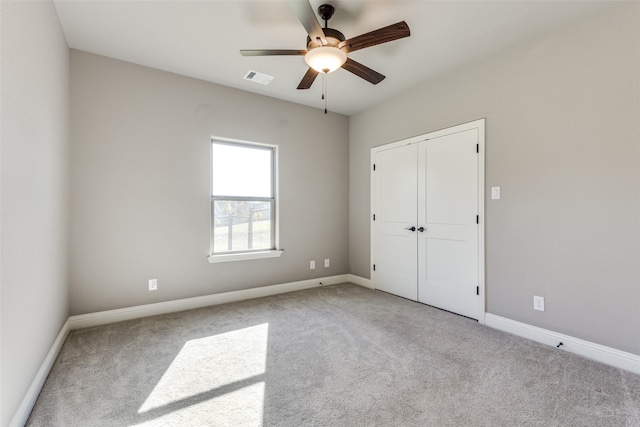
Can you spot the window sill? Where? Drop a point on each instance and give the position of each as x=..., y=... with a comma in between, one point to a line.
x=244, y=256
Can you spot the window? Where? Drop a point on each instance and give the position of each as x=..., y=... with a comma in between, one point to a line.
x=243, y=201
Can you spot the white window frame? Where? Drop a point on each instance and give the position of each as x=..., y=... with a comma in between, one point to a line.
x=246, y=254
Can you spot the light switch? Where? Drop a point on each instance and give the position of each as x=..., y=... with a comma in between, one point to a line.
x=495, y=193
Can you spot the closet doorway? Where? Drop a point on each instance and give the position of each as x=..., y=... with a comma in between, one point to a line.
x=427, y=219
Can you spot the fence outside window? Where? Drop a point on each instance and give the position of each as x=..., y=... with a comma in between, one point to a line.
x=242, y=197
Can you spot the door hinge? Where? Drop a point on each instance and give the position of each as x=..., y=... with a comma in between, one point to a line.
x=477, y=219
x=374, y=217
x=374, y=166
x=477, y=290
x=374, y=267
x=477, y=148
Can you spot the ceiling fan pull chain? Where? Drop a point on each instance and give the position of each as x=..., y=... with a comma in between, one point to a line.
x=327, y=48
x=324, y=90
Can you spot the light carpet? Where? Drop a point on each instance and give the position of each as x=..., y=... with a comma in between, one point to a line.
x=338, y=355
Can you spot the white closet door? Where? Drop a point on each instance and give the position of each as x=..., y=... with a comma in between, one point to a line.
x=447, y=209
x=395, y=209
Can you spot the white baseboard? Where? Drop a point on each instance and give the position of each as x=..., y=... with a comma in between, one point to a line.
x=610, y=356
x=112, y=316
x=119, y=315
x=357, y=280
x=29, y=399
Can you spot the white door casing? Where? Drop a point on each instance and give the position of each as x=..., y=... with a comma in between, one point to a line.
x=448, y=206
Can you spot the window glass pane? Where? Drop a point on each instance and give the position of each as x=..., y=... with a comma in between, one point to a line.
x=241, y=225
x=241, y=171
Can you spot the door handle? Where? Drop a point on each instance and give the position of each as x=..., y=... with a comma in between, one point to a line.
x=422, y=229
x=412, y=228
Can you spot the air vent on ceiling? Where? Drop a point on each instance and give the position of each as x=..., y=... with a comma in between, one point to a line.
x=257, y=77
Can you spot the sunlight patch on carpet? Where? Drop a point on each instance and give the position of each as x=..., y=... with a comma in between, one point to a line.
x=216, y=378
x=243, y=407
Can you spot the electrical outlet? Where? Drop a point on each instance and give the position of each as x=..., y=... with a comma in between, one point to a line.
x=538, y=303
x=495, y=193
x=326, y=262
x=153, y=284
x=312, y=265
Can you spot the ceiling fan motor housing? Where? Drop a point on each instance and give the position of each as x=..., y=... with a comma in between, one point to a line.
x=333, y=54
x=334, y=37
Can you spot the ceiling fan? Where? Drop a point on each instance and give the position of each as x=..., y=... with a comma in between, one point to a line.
x=327, y=48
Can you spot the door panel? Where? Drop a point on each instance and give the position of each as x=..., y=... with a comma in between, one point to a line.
x=434, y=181
x=395, y=208
x=447, y=208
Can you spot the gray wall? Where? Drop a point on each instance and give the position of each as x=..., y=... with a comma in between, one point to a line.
x=140, y=200
x=562, y=140
x=33, y=193
x=563, y=118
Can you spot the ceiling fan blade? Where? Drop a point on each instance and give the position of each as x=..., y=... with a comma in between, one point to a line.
x=307, y=17
x=362, y=71
x=271, y=52
x=381, y=35
x=308, y=79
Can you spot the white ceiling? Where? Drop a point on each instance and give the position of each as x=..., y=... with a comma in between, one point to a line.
x=202, y=39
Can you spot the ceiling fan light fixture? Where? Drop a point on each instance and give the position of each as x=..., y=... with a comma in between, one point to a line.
x=325, y=58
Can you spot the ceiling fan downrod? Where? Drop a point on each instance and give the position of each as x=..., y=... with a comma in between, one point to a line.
x=331, y=45
x=326, y=11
